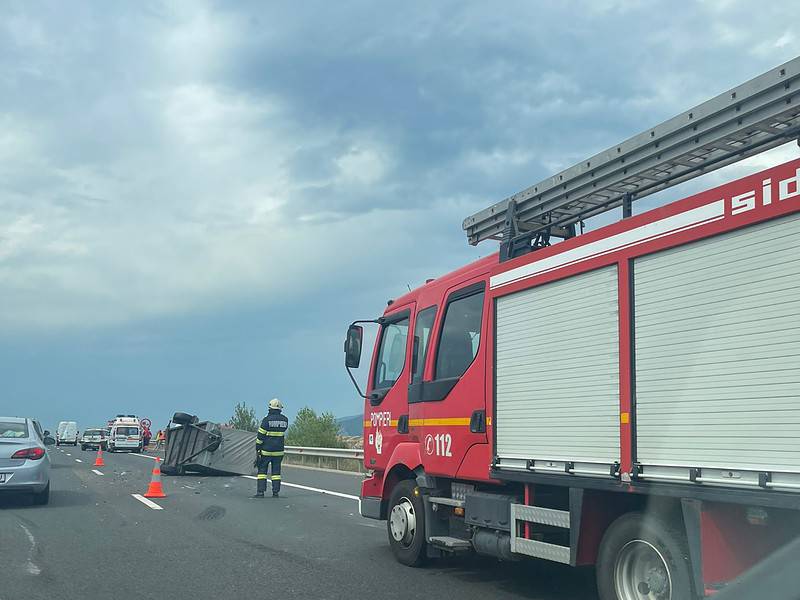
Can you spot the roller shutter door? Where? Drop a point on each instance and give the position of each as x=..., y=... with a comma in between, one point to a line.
x=557, y=375
x=718, y=351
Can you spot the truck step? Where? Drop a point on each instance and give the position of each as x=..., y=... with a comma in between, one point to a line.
x=446, y=501
x=451, y=544
x=543, y=516
x=539, y=549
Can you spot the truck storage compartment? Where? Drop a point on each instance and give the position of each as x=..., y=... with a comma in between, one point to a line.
x=717, y=343
x=557, y=393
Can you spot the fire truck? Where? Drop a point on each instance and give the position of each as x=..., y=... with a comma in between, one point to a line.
x=628, y=397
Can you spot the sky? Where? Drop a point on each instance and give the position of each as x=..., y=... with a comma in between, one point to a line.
x=197, y=198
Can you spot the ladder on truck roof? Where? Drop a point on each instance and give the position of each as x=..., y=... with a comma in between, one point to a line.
x=746, y=120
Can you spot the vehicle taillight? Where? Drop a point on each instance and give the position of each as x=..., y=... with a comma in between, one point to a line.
x=29, y=453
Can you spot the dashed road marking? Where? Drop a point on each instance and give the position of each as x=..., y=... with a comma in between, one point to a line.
x=31, y=566
x=68, y=454
x=147, y=502
x=96, y=472
x=318, y=490
x=78, y=460
x=145, y=455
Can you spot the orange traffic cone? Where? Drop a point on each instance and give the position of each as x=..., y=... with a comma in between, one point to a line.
x=154, y=490
x=98, y=462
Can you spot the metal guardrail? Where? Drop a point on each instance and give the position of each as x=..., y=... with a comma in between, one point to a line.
x=331, y=452
x=341, y=459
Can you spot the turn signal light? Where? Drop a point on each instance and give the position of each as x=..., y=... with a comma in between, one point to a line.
x=29, y=453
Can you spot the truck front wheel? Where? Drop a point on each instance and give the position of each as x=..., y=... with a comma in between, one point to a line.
x=643, y=558
x=406, y=524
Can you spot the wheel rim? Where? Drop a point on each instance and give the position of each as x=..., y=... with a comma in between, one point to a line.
x=641, y=573
x=403, y=522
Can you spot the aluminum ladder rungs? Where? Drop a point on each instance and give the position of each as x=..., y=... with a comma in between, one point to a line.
x=538, y=549
x=543, y=516
x=753, y=117
x=535, y=548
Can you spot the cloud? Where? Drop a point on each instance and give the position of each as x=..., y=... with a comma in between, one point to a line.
x=184, y=158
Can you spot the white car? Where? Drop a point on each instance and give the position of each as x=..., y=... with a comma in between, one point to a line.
x=24, y=462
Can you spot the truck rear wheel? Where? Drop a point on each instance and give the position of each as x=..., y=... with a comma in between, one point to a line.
x=643, y=558
x=406, y=524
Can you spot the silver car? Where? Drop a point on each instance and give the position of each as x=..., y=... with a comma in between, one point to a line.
x=24, y=462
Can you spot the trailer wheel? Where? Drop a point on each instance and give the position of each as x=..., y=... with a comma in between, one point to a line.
x=406, y=524
x=643, y=558
x=182, y=418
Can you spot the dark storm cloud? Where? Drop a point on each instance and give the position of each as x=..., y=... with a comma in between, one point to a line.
x=223, y=186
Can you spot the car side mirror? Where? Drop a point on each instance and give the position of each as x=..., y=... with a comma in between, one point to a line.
x=46, y=432
x=48, y=441
x=352, y=346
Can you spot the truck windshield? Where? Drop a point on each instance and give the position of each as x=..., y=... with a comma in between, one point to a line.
x=392, y=353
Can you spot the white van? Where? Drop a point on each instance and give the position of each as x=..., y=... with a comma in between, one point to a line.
x=125, y=434
x=68, y=434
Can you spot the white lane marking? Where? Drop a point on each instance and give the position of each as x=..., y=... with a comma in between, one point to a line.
x=78, y=460
x=318, y=490
x=31, y=566
x=143, y=455
x=147, y=502
x=68, y=454
x=95, y=471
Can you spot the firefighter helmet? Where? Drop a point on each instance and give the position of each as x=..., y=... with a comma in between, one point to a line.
x=275, y=403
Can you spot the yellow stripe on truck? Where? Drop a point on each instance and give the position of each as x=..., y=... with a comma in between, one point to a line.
x=392, y=423
x=439, y=422
x=442, y=422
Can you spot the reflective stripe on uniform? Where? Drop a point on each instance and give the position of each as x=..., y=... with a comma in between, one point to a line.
x=262, y=430
x=259, y=441
x=276, y=478
x=276, y=433
x=261, y=476
x=266, y=453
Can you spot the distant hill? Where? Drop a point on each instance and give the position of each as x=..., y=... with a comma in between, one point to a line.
x=352, y=425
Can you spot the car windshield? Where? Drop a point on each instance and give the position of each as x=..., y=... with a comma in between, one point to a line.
x=13, y=430
x=127, y=431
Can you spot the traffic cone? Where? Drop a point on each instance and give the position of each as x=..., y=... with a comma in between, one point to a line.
x=154, y=490
x=98, y=462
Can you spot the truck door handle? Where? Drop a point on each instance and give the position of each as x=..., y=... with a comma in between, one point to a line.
x=402, y=424
x=477, y=422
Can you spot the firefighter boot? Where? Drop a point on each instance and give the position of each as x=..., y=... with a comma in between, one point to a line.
x=261, y=486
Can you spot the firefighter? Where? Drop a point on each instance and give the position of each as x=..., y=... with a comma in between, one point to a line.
x=269, y=448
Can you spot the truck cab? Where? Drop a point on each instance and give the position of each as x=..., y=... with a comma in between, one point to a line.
x=426, y=396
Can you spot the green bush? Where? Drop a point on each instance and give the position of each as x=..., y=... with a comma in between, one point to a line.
x=312, y=430
x=244, y=418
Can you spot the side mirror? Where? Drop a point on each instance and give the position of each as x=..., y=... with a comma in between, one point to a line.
x=48, y=441
x=352, y=346
x=46, y=432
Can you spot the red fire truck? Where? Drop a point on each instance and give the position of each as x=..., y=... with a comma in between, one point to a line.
x=627, y=398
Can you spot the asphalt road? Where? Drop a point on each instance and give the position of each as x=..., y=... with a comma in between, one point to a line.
x=211, y=541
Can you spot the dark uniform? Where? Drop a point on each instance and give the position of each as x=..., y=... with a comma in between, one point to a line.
x=269, y=446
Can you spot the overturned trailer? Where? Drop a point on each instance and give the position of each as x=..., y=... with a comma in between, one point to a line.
x=206, y=447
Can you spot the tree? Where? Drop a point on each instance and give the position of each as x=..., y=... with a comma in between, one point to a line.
x=312, y=430
x=244, y=418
